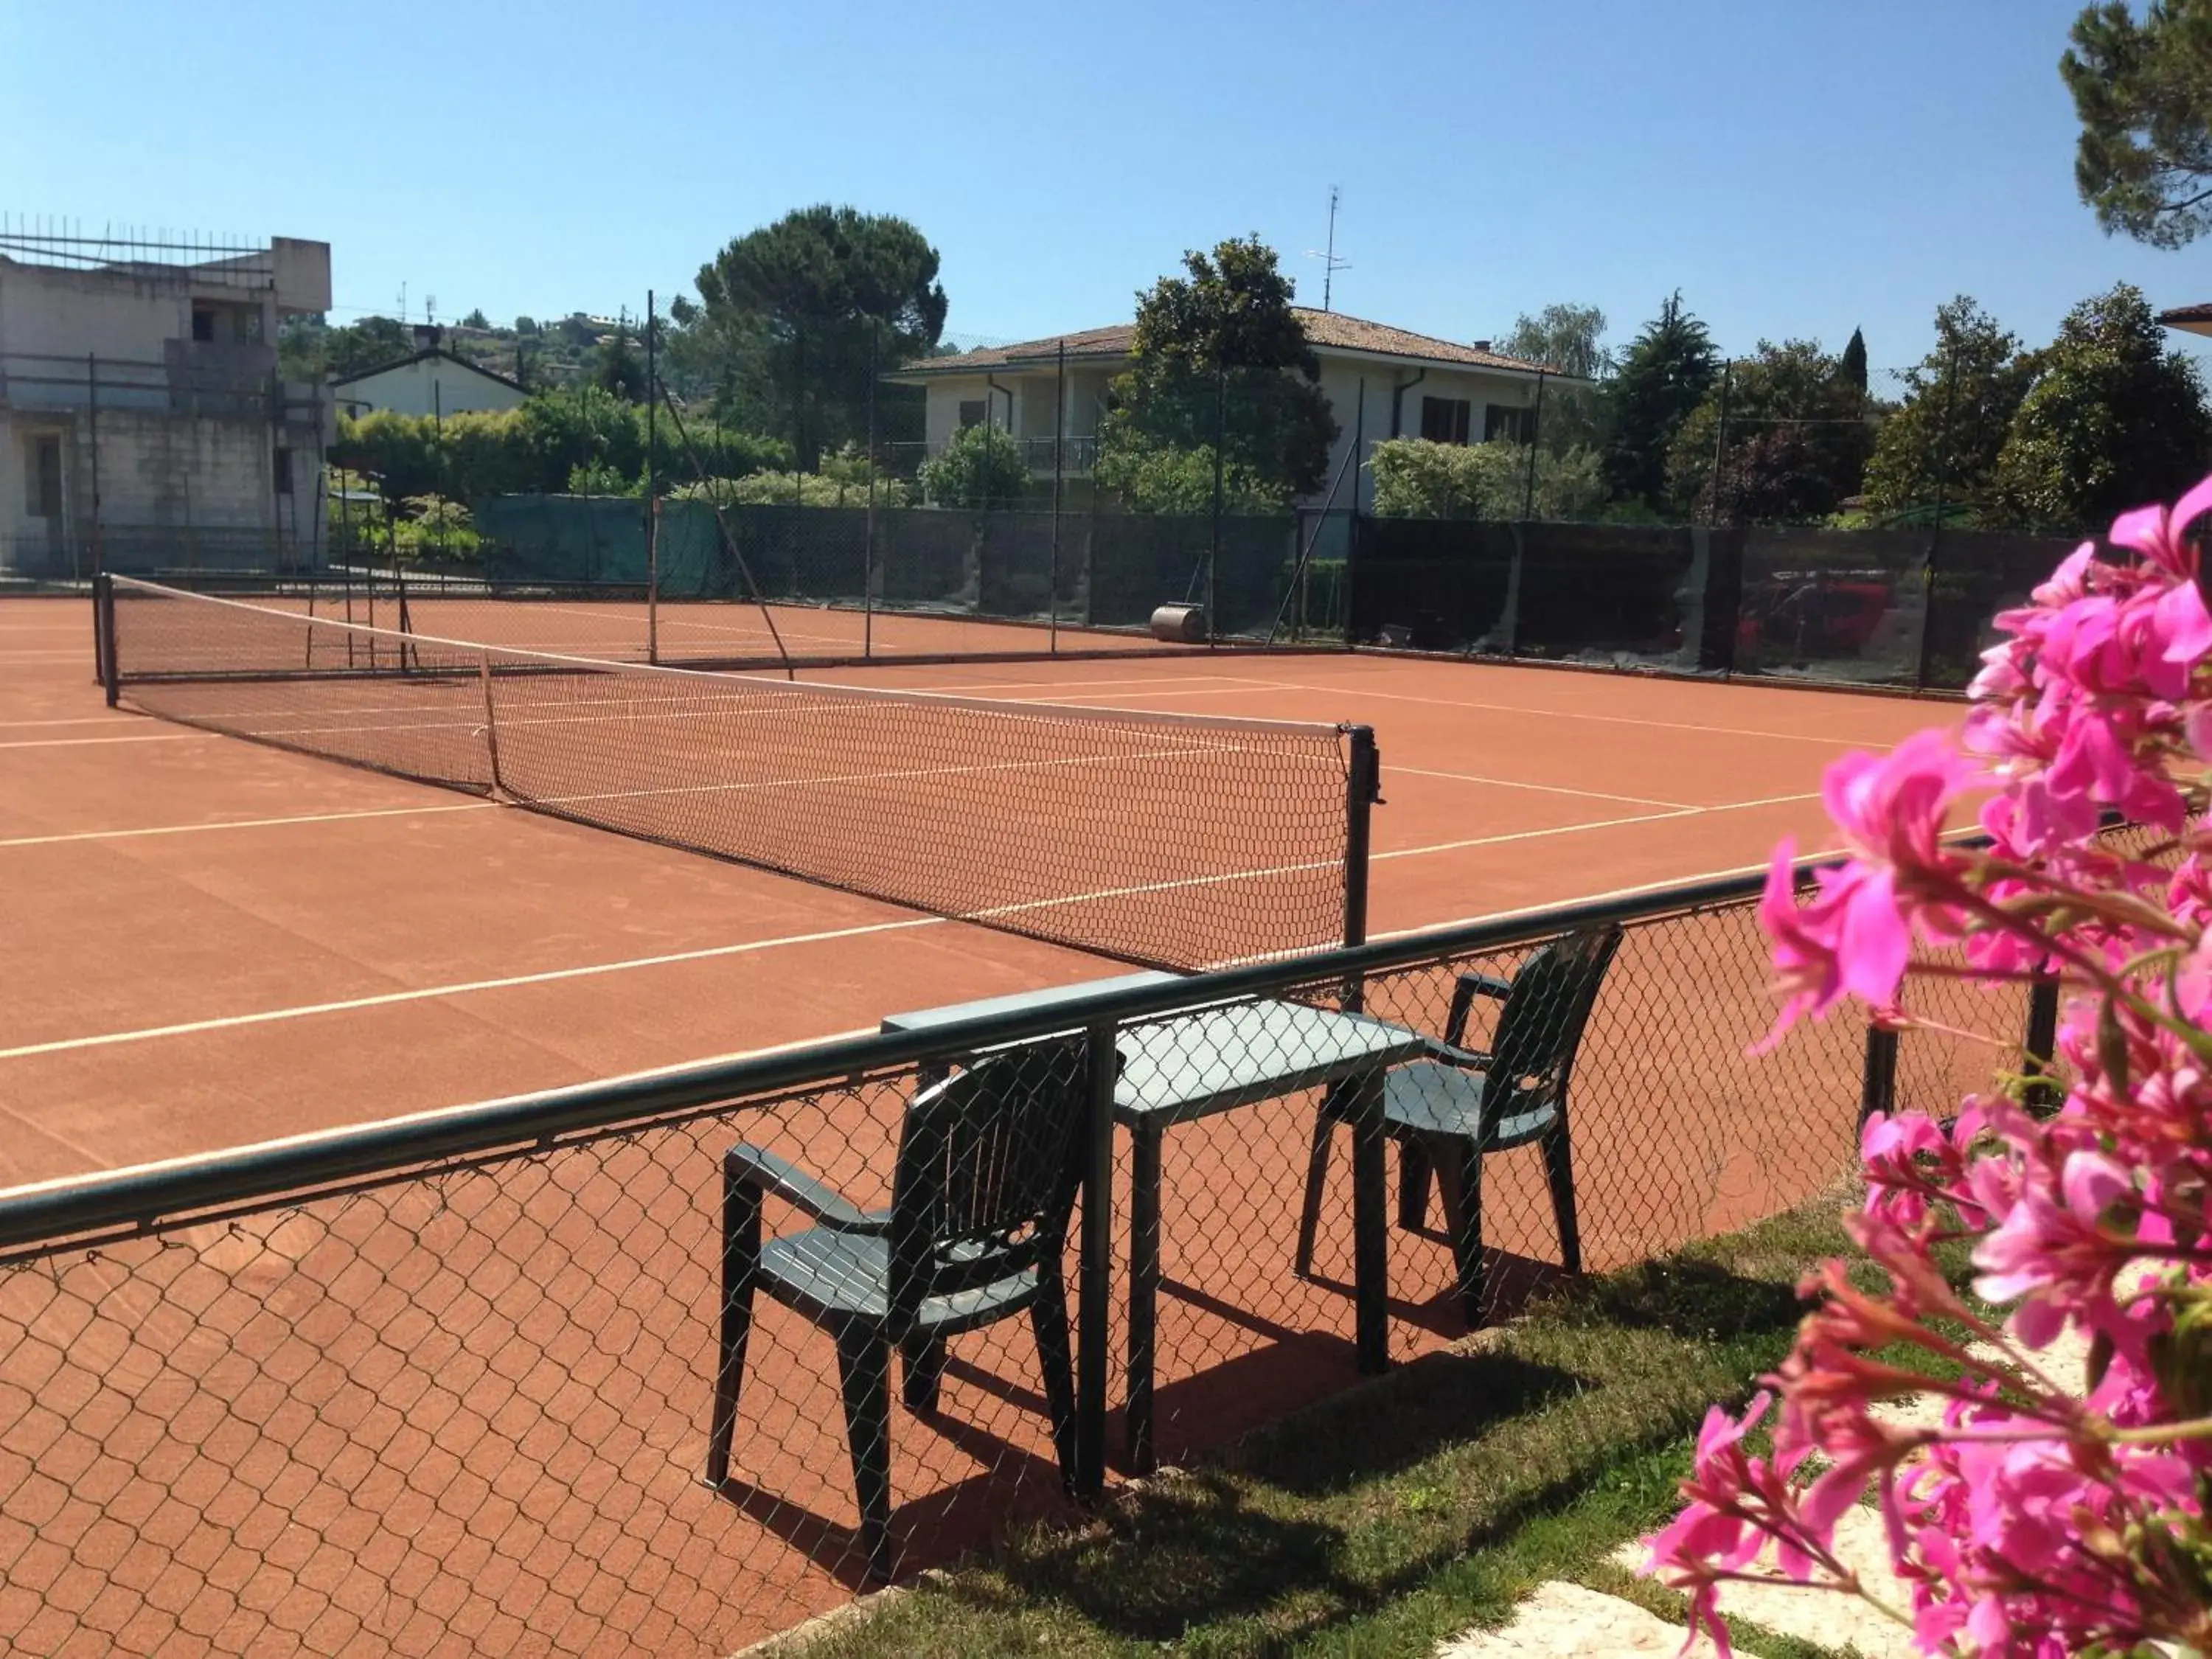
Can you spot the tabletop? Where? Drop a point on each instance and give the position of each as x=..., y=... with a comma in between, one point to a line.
x=1180, y=1066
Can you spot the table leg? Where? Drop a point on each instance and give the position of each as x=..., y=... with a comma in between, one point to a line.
x=1370, y=1266
x=1144, y=1293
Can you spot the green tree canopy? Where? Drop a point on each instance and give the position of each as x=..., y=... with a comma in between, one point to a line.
x=1415, y=478
x=1218, y=357
x=1959, y=403
x=812, y=308
x=1570, y=338
x=1787, y=430
x=982, y=467
x=2115, y=419
x=369, y=343
x=2143, y=90
x=1664, y=374
x=475, y=320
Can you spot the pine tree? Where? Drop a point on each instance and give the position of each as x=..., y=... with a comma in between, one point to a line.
x=1664, y=375
x=1852, y=365
x=2143, y=90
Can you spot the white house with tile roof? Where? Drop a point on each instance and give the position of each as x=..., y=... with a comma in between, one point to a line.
x=1380, y=382
x=431, y=382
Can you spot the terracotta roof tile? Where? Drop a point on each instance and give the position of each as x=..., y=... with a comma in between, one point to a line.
x=1323, y=328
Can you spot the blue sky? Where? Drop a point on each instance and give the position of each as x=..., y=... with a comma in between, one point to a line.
x=1795, y=168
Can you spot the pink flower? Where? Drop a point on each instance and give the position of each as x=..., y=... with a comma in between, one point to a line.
x=2049, y=1251
x=2019, y=1525
x=2157, y=534
x=1890, y=808
x=1848, y=937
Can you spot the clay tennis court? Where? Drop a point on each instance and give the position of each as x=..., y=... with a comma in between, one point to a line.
x=211, y=943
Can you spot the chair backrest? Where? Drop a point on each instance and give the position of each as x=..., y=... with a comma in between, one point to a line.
x=988, y=1164
x=1541, y=1023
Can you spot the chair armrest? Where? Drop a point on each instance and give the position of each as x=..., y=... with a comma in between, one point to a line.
x=1472, y=985
x=765, y=1172
x=1468, y=1060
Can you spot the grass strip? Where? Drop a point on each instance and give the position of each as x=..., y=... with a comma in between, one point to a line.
x=1384, y=1521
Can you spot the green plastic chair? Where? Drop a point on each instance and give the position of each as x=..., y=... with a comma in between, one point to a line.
x=1452, y=1109
x=989, y=1162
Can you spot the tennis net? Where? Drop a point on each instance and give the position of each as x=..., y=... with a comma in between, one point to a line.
x=1173, y=841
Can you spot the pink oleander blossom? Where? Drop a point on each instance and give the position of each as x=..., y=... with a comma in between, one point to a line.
x=2042, y=1517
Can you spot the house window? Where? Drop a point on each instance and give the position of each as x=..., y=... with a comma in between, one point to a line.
x=284, y=470
x=1444, y=420
x=1509, y=423
x=203, y=322
x=972, y=410
x=42, y=471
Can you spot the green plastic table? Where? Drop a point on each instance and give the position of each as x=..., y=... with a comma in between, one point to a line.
x=1180, y=1067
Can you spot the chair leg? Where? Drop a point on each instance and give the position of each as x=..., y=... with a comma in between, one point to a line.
x=922, y=1360
x=1412, y=1185
x=864, y=1364
x=1559, y=1166
x=1056, y=1365
x=1459, y=1183
x=1316, y=1178
x=741, y=1245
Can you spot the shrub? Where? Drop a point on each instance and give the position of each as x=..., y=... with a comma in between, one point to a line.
x=1416, y=478
x=981, y=467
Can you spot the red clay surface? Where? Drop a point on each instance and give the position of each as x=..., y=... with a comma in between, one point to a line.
x=206, y=942
x=209, y=943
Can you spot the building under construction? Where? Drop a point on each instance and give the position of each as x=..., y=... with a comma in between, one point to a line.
x=144, y=425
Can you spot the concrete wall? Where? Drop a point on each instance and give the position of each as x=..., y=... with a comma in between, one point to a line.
x=181, y=433
x=1341, y=378
x=430, y=386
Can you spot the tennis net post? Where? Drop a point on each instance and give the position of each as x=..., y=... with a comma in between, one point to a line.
x=103, y=636
x=1362, y=792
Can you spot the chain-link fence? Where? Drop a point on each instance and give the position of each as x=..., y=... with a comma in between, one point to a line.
x=1890, y=607
x=611, y=1369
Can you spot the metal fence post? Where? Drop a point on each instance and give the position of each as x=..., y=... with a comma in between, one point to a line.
x=2043, y=1093
x=1096, y=1258
x=1878, y=1083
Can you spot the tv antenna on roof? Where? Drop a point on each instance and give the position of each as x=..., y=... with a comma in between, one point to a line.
x=1330, y=265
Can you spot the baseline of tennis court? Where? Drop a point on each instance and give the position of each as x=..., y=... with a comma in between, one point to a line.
x=211, y=943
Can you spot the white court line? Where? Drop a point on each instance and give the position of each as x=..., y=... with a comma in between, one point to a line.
x=247, y=824
x=590, y=970
x=1577, y=714
x=76, y=742
x=1600, y=823
x=1120, y=698
x=1543, y=788
x=112, y=717
x=428, y=992
x=1013, y=686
